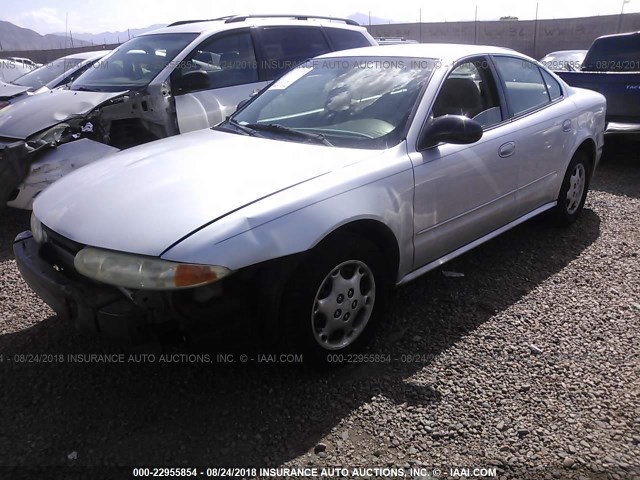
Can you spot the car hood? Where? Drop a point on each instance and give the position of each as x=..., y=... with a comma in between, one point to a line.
x=8, y=90
x=35, y=113
x=143, y=200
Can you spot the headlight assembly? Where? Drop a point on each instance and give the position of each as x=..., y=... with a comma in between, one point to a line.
x=144, y=273
x=37, y=231
x=51, y=136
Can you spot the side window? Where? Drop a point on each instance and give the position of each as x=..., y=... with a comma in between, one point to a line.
x=470, y=90
x=524, y=87
x=222, y=61
x=344, y=39
x=287, y=47
x=552, y=85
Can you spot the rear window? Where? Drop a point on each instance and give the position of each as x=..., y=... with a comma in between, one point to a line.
x=287, y=47
x=614, y=54
x=523, y=84
x=552, y=85
x=345, y=39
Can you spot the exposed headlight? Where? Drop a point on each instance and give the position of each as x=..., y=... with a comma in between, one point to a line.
x=144, y=273
x=37, y=231
x=50, y=136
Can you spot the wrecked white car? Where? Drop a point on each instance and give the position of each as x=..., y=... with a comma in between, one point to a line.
x=185, y=77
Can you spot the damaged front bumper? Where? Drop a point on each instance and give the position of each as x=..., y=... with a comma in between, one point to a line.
x=92, y=307
x=121, y=315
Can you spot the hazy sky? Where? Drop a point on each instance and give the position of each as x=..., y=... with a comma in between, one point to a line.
x=95, y=16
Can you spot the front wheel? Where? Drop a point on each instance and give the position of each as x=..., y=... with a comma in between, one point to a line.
x=573, y=192
x=333, y=303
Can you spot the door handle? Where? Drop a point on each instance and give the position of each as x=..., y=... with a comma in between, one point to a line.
x=566, y=126
x=507, y=149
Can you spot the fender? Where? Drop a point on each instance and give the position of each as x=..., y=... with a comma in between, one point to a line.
x=259, y=233
x=590, y=123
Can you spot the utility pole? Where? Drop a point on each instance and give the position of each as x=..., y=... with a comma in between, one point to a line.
x=420, y=24
x=624, y=2
x=475, y=27
x=535, y=32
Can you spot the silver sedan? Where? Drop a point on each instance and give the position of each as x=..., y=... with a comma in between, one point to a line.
x=355, y=172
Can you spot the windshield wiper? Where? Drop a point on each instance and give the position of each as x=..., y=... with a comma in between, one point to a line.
x=274, y=127
x=243, y=128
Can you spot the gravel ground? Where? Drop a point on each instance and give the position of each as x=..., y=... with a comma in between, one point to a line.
x=529, y=363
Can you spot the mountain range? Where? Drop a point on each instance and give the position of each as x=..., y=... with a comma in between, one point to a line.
x=112, y=37
x=363, y=19
x=13, y=37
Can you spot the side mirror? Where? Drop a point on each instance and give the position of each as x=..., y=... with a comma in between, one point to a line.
x=247, y=100
x=456, y=129
x=192, y=81
x=243, y=103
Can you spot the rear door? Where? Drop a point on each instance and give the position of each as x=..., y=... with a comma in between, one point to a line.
x=211, y=81
x=542, y=127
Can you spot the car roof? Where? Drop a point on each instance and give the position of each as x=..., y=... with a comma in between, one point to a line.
x=441, y=51
x=624, y=34
x=221, y=25
x=565, y=52
x=88, y=55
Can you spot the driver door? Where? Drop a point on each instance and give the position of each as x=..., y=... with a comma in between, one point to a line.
x=463, y=192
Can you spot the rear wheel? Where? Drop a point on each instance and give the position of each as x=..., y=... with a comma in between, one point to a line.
x=573, y=192
x=332, y=304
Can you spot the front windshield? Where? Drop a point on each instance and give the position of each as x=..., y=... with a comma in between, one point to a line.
x=47, y=73
x=135, y=63
x=359, y=103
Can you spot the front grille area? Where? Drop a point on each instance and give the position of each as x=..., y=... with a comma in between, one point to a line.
x=60, y=251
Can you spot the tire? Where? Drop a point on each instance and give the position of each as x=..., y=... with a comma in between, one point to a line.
x=332, y=304
x=573, y=192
